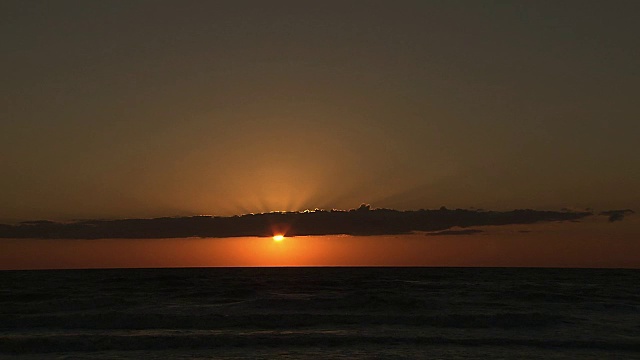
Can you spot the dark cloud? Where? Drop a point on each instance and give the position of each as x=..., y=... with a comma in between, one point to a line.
x=455, y=232
x=361, y=221
x=617, y=215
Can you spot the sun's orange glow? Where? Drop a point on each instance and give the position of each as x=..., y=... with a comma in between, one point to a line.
x=278, y=237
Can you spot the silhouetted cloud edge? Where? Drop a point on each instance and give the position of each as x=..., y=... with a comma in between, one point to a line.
x=617, y=215
x=360, y=221
x=455, y=232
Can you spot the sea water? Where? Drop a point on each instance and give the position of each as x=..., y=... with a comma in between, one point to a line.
x=312, y=313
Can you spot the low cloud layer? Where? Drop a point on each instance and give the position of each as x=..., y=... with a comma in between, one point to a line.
x=455, y=232
x=617, y=215
x=361, y=221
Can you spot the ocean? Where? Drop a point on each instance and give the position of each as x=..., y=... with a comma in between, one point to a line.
x=320, y=313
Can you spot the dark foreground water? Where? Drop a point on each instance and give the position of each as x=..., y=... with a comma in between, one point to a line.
x=312, y=313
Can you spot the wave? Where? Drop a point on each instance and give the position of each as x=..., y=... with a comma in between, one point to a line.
x=89, y=343
x=117, y=320
x=44, y=312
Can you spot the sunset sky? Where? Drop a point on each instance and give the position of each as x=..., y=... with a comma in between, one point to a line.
x=142, y=109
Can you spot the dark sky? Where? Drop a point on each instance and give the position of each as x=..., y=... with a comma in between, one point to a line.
x=114, y=109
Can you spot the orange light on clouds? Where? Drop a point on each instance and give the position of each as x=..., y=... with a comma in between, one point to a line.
x=587, y=244
x=280, y=230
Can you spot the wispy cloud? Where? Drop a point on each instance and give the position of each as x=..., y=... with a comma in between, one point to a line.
x=455, y=232
x=617, y=215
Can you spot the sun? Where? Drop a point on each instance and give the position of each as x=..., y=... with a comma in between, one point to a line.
x=278, y=237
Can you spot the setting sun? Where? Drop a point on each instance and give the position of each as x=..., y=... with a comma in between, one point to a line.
x=278, y=237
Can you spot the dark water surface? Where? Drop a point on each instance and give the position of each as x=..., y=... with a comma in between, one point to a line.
x=311, y=313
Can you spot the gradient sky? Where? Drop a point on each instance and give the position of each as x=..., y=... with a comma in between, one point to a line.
x=118, y=109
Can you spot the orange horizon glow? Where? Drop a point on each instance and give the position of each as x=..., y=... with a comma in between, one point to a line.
x=257, y=115
x=594, y=244
x=503, y=250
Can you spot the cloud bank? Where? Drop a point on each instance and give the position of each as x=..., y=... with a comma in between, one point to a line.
x=455, y=232
x=361, y=221
x=617, y=215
